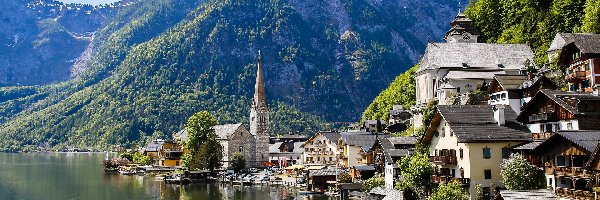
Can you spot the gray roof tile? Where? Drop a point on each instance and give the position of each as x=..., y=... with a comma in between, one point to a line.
x=475, y=55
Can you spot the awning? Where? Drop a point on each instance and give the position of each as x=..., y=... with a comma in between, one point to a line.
x=316, y=167
x=293, y=167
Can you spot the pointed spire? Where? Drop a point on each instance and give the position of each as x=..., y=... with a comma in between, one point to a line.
x=259, y=88
x=459, y=8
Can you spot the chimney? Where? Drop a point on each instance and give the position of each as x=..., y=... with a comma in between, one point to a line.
x=499, y=114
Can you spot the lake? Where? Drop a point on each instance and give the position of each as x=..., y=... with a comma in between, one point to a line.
x=26, y=176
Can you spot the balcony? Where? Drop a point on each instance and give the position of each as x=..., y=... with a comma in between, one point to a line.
x=576, y=77
x=579, y=172
x=541, y=136
x=443, y=160
x=319, y=144
x=574, y=194
x=436, y=179
x=543, y=117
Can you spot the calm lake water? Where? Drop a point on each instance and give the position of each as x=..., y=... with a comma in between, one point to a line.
x=80, y=176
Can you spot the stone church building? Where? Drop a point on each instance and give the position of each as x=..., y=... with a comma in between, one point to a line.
x=235, y=138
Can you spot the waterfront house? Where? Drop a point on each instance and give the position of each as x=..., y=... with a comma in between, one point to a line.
x=386, y=152
x=468, y=143
x=515, y=90
x=286, y=153
x=461, y=65
x=151, y=150
x=322, y=179
x=565, y=155
x=321, y=149
x=354, y=147
x=170, y=154
x=579, y=54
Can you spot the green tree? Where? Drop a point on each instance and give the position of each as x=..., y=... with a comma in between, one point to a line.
x=400, y=92
x=344, y=178
x=591, y=20
x=142, y=159
x=238, y=162
x=518, y=174
x=376, y=181
x=200, y=131
x=451, y=190
x=199, y=127
x=416, y=171
x=211, y=153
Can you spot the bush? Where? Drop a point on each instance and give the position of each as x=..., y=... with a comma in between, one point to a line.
x=344, y=178
x=447, y=191
x=373, y=182
x=518, y=174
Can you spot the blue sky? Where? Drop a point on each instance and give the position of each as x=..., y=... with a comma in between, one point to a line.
x=93, y=2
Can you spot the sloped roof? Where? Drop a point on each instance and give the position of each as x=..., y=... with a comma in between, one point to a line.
x=472, y=123
x=402, y=140
x=567, y=100
x=472, y=74
x=274, y=148
x=333, y=136
x=528, y=146
x=510, y=82
x=587, y=139
x=475, y=55
x=361, y=139
x=541, y=194
x=224, y=131
x=298, y=147
x=154, y=145
x=586, y=42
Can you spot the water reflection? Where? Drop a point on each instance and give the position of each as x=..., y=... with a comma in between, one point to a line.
x=80, y=176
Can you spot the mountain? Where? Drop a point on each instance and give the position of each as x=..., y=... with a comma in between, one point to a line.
x=158, y=61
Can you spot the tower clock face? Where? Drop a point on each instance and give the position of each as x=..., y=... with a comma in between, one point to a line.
x=466, y=37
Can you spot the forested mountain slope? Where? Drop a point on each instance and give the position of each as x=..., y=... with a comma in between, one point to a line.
x=159, y=61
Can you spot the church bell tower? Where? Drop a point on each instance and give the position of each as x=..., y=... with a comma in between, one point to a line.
x=259, y=117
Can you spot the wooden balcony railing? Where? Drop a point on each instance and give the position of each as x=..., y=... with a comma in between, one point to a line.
x=574, y=194
x=569, y=171
x=543, y=117
x=541, y=136
x=443, y=160
x=575, y=77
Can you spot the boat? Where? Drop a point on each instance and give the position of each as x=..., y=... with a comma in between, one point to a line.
x=176, y=179
x=307, y=192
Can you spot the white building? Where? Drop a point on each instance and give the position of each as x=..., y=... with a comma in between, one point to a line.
x=461, y=65
x=321, y=149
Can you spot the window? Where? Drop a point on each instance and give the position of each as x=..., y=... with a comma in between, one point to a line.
x=451, y=133
x=556, y=127
x=587, y=66
x=570, y=126
x=487, y=173
x=460, y=152
x=505, y=153
x=443, y=132
x=241, y=149
x=487, y=153
x=561, y=161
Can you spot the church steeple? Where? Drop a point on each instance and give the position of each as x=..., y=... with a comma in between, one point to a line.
x=462, y=30
x=259, y=87
x=259, y=116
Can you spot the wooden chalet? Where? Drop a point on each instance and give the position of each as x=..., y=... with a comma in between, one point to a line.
x=565, y=155
x=579, y=53
x=516, y=90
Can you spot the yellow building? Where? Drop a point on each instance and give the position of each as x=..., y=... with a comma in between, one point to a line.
x=469, y=142
x=164, y=152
